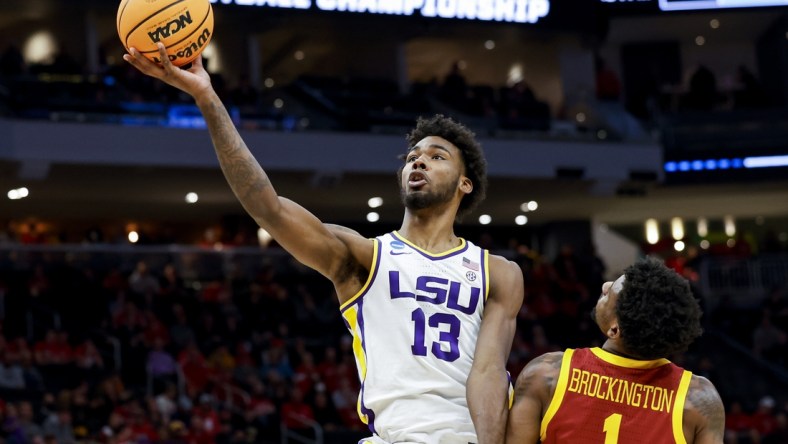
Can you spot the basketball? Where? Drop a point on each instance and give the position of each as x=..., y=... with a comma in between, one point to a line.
x=184, y=27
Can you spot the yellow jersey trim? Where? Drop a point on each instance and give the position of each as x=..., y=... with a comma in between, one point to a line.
x=560, y=390
x=678, y=408
x=433, y=255
x=372, y=270
x=621, y=361
x=351, y=316
x=487, y=274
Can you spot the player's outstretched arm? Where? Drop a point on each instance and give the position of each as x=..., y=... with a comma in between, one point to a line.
x=532, y=394
x=704, y=414
x=322, y=248
x=488, y=384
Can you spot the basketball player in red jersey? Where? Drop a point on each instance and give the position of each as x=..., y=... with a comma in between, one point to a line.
x=626, y=391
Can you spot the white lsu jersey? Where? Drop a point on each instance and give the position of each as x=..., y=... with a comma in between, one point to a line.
x=415, y=324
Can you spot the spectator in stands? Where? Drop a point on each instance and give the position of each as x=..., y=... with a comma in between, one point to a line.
x=737, y=423
x=776, y=305
x=12, y=63
x=167, y=403
x=324, y=411
x=297, y=414
x=608, y=87
x=768, y=341
x=58, y=425
x=161, y=365
x=11, y=375
x=27, y=421
x=703, y=94
x=780, y=434
x=750, y=93
x=141, y=281
x=764, y=420
x=454, y=88
x=522, y=110
x=244, y=95
x=181, y=332
x=12, y=427
x=88, y=359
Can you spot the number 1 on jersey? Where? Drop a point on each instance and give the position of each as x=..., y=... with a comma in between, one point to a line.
x=612, y=428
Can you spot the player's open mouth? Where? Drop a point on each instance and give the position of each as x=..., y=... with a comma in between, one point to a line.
x=416, y=180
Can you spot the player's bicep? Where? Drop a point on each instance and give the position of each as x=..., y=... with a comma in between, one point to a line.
x=524, y=421
x=500, y=313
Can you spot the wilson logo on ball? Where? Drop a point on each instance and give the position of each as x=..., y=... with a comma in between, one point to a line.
x=190, y=50
x=171, y=28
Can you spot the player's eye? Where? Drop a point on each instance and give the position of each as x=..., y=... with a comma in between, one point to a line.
x=411, y=158
x=437, y=156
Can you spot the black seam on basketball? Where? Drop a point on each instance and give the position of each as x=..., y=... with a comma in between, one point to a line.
x=120, y=15
x=197, y=28
x=126, y=40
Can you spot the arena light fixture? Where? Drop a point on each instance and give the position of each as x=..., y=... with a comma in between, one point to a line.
x=375, y=202
x=703, y=227
x=677, y=228
x=652, y=231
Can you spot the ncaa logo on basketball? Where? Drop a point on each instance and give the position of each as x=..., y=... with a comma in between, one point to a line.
x=171, y=28
x=471, y=276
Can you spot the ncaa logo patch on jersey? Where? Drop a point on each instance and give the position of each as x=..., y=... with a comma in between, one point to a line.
x=398, y=248
x=397, y=245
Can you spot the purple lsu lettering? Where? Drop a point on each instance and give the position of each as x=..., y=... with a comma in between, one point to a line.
x=435, y=290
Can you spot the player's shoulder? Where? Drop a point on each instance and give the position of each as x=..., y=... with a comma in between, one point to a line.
x=544, y=365
x=501, y=265
x=702, y=394
x=541, y=373
x=506, y=281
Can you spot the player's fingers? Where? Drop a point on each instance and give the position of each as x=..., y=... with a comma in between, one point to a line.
x=169, y=68
x=140, y=62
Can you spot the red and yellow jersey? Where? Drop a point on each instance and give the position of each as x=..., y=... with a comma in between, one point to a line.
x=602, y=398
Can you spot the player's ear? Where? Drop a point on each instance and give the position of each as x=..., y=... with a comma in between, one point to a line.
x=466, y=186
x=613, y=332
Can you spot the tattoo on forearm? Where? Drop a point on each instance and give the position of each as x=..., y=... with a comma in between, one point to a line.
x=243, y=173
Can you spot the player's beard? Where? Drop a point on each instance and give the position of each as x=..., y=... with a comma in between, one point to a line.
x=436, y=195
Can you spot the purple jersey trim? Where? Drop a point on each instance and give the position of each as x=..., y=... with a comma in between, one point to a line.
x=432, y=257
x=369, y=413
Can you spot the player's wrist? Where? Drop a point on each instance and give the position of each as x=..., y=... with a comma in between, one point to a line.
x=204, y=96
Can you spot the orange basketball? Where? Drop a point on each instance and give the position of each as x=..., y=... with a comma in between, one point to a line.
x=184, y=27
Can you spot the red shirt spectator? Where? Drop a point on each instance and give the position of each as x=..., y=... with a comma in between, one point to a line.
x=295, y=410
x=195, y=369
x=737, y=420
x=764, y=420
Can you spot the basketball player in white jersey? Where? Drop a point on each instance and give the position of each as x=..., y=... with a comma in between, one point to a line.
x=432, y=316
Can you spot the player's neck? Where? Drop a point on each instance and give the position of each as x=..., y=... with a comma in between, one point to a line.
x=615, y=348
x=430, y=232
